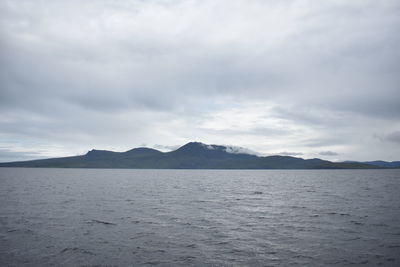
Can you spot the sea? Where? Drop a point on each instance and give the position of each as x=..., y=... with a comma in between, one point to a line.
x=125, y=217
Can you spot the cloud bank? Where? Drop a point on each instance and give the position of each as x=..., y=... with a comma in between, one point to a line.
x=290, y=75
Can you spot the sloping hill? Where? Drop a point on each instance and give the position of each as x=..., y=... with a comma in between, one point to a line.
x=193, y=155
x=384, y=164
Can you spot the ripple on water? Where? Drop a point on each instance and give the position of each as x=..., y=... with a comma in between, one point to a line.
x=199, y=218
x=76, y=250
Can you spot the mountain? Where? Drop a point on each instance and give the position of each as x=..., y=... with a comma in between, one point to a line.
x=193, y=155
x=379, y=163
x=384, y=164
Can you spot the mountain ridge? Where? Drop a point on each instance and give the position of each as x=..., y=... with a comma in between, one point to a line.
x=193, y=155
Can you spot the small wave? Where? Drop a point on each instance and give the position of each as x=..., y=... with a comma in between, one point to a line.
x=347, y=262
x=357, y=222
x=108, y=210
x=294, y=207
x=101, y=222
x=303, y=257
x=202, y=201
x=152, y=263
x=142, y=234
x=159, y=251
x=352, y=239
x=336, y=213
x=349, y=231
x=187, y=258
x=393, y=246
x=76, y=249
x=380, y=225
x=28, y=231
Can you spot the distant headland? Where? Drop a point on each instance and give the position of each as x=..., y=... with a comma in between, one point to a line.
x=193, y=155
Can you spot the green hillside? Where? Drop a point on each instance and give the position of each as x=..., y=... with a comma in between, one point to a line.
x=193, y=155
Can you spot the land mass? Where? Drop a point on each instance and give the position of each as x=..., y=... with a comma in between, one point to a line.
x=193, y=155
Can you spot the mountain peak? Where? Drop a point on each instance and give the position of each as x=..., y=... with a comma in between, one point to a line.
x=193, y=144
x=199, y=145
x=212, y=151
x=222, y=148
x=97, y=151
x=142, y=151
x=193, y=155
x=94, y=153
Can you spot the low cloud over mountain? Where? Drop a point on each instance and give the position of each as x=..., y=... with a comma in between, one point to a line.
x=267, y=75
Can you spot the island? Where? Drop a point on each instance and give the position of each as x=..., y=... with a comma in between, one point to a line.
x=193, y=155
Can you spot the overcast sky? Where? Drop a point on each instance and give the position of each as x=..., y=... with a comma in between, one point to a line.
x=301, y=78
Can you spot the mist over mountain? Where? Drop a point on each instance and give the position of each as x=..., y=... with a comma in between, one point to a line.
x=193, y=155
x=305, y=78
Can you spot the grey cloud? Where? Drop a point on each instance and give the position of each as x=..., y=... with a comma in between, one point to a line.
x=166, y=147
x=311, y=116
x=183, y=67
x=10, y=155
x=258, y=131
x=328, y=153
x=76, y=72
x=290, y=153
x=394, y=137
x=321, y=142
x=240, y=150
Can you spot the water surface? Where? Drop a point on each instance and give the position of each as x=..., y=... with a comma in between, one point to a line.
x=96, y=217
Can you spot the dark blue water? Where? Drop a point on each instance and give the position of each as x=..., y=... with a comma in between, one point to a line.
x=94, y=217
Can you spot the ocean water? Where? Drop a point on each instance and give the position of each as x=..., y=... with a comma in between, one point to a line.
x=97, y=217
